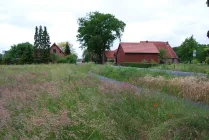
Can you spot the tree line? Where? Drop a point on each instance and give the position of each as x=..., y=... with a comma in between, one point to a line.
x=186, y=49
x=27, y=53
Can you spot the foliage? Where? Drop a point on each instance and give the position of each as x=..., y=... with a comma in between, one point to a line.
x=97, y=31
x=63, y=44
x=41, y=45
x=1, y=57
x=139, y=65
x=186, y=49
x=195, y=61
x=197, y=68
x=72, y=58
x=162, y=55
x=67, y=49
x=54, y=58
x=111, y=60
x=86, y=55
x=207, y=60
x=19, y=54
x=144, y=61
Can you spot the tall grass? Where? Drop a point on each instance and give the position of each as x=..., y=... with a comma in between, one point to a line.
x=194, y=88
x=64, y=102
x=197, y=68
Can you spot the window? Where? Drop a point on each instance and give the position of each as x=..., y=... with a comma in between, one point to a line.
x=54, y=50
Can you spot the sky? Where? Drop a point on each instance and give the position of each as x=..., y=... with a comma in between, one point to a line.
x=154, y=20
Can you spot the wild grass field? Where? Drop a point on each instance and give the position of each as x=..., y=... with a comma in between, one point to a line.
x=194, y=88
x=197, y=68
x=62, y=101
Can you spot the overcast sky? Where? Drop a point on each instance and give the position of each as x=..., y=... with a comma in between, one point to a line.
x=156, y=20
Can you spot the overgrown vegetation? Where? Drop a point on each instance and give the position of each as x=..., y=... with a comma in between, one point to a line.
x=194, y=88
x=63, y=102
x=197, y=68
x=139, y=65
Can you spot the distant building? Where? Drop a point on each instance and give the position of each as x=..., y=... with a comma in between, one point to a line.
x=144, y=50
x=56, y=50
x=136, y=52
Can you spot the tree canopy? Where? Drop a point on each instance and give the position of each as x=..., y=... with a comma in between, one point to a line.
x=186, y=49
x=67, y=49
x=97, y=32
x=21, y=53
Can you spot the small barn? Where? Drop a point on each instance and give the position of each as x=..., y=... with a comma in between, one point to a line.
x=136, y=52
x=56, y=50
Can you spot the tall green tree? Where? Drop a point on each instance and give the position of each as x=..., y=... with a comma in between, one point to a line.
x=97, y=32
x=36, y=44
x=41, y=45
x=21, y=53
x=186, y=49
x=67, y=49
x=46, y=46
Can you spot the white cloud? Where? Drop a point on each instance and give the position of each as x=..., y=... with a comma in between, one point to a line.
x=165, y=20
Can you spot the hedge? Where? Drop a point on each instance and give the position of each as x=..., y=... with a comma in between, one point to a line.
x=138, y=65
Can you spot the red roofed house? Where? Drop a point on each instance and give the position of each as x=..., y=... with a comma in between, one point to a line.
x=110, y=55
x=170, y=53
x=55, y=49
x=136, y=52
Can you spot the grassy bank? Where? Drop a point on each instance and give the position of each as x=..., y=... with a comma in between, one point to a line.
x=194, y=88
x=64, y=102
x=198, y=68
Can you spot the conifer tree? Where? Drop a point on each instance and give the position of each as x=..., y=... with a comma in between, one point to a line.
x=46, y=45
x=36, y=44
x=67, y=49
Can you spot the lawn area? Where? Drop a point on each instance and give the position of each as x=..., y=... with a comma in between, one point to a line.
x=198, y=68
x=62, y=101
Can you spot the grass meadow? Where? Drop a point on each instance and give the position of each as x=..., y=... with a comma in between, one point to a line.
x=194, y=88
x=197, y=68
x=62, y=101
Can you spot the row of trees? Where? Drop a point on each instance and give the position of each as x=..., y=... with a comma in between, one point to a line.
x=186, y=49
x=41, y=45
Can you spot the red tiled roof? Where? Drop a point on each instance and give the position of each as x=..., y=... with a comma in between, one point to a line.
x=109, y=54
x=165, y=46
x=139, y=47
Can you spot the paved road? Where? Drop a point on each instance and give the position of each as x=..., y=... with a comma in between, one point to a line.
x=177, y=73
x=165, y=96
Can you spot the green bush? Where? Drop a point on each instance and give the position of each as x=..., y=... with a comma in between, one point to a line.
x=138, y=65
x=195, y=61
x=54, y=58
x=111, y=60
x=207, y=60
x=72, y=58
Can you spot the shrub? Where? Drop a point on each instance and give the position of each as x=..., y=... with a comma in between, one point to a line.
x=111, y=60
x=144, y=61
x=139, y=65
x=72, y=58
x=195, y=61
x=62, y=60
x=54, y=58
x=207, y=60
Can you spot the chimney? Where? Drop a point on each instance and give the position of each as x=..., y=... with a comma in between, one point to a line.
x=147, y=41
x=167, y=43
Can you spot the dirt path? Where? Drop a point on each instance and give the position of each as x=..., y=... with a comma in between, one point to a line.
x=166, y=96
